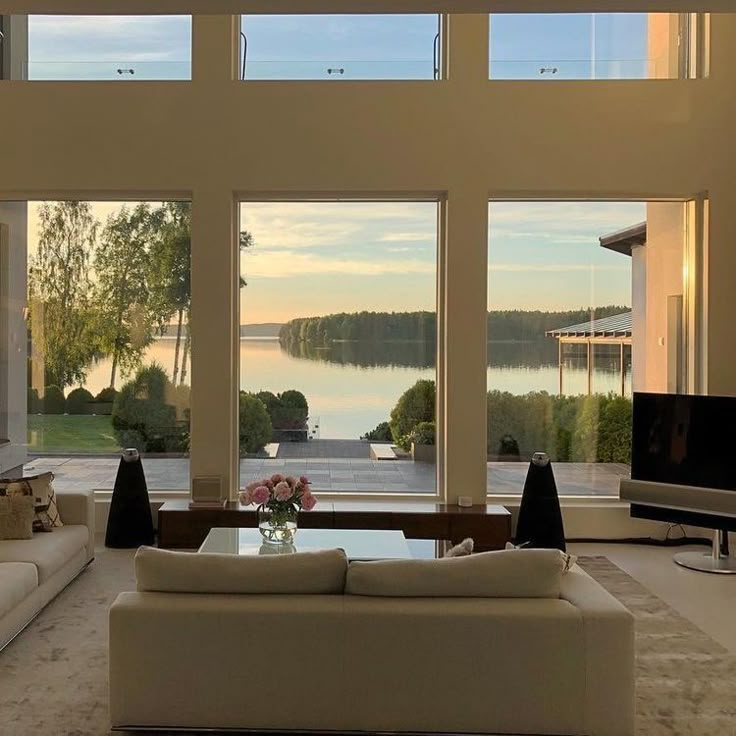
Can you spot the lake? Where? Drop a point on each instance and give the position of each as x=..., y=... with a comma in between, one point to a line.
x=351, y=387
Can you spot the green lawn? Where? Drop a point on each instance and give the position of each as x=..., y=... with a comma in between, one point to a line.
x=71, y=433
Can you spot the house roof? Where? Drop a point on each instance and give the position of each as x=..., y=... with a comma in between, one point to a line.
x=622, y=241
x=617, y=325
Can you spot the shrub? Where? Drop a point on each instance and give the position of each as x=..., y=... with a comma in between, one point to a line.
x=78, y=401
x=107, y=395
x=382, y=433
x=416, y=404
x=424, y=433
x=255, y=424
x=144, y=414
x=270, y=400
x=33, y=402
x=53, y=400
x=292, y=411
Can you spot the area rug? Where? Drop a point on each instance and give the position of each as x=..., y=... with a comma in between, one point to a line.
x=53, y=677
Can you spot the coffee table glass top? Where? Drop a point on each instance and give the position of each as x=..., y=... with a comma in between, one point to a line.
x=359, y=544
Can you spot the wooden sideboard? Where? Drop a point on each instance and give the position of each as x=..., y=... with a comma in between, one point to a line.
x=180, y=527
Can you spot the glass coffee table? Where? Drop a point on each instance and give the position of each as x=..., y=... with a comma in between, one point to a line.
x=359, y=544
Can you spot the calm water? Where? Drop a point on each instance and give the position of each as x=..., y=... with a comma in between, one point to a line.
x=351, y=387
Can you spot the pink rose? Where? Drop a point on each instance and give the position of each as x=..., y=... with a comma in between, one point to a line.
x=252, y=486
x=261, y=495
x=291, y=480
x=277, y=478
x=308, y=501
x=246, y=497
x=304, y=480
x=268, y=483
x=282, y=491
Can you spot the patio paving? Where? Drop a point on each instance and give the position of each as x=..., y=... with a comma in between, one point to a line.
x=342, y=471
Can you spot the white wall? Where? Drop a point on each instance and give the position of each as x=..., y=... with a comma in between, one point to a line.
x=465, y=139
x=639, y=318
x=664, y=253
x=13, y=339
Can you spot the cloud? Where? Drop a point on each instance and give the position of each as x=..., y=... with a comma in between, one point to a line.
x=407, y=237
x=552, y=268
x=564, y=222
x=284, y=264
x=352, y=226
x=109, y=38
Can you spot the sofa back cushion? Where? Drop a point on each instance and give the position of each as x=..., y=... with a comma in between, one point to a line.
x=186, y=572
x=532, y=573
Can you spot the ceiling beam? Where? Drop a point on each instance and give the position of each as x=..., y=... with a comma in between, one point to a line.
x=218, y=7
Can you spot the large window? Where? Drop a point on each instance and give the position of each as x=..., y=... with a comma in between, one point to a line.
x=590, y=46
x=340, y=47
x=580, y=300
x=109, y=47
x=108, y=339
x=337, y=344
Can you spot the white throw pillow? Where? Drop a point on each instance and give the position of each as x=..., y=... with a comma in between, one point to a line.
x=186, y=572
x=533, y=573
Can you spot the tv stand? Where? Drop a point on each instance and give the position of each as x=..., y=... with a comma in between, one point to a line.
x=715, y=562
x=708, y=508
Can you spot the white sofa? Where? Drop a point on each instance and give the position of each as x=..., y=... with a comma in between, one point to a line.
x=347, y=654
x=33, y=571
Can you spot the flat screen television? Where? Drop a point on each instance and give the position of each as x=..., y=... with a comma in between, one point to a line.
x=684, y=440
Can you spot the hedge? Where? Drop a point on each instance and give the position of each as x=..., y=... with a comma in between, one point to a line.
x=584, y=429
x=78, y=401
x=53, y=400
x=581, y=428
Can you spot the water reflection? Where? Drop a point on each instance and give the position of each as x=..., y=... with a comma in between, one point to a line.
x=420, y=353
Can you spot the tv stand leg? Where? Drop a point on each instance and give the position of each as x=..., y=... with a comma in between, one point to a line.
x=714, y=562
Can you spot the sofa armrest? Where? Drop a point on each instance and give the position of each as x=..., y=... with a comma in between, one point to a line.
x=78, y=507
x=610, y=656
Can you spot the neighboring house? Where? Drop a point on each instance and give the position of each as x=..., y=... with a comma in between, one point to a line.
x=609, y=335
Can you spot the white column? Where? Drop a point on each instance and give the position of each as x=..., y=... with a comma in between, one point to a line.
x=463, y=299
x=462, y=372
x=215, y=48
x=214, y=322
x=214, y=397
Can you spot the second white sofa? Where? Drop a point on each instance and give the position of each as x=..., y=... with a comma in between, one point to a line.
x=33, y=571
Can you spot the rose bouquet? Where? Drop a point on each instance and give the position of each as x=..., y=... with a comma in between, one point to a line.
x=278, y=498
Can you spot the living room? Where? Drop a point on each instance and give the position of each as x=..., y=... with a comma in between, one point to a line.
x=428, y=178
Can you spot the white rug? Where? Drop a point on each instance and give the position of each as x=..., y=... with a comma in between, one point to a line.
x=53, y=677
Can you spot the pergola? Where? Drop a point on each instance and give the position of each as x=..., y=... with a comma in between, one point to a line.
x=613, y=330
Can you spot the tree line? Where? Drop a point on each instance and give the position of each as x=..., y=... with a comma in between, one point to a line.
x=107, y=291
x=503, y=325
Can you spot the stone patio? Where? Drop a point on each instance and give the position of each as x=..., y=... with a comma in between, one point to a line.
x=333, y=466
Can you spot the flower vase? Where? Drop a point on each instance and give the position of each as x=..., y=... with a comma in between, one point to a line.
x=277, y=525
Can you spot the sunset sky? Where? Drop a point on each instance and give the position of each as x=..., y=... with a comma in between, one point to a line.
x=317, y=258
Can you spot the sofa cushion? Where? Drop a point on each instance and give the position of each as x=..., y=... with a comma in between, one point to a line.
x=17, y=581
x=42, y=489
x=16, y=513
x=533, y=573
x=186, y=572
x=48, y=552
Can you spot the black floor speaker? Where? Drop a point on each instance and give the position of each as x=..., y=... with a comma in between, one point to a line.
x=540, y=518
x=130, y=523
